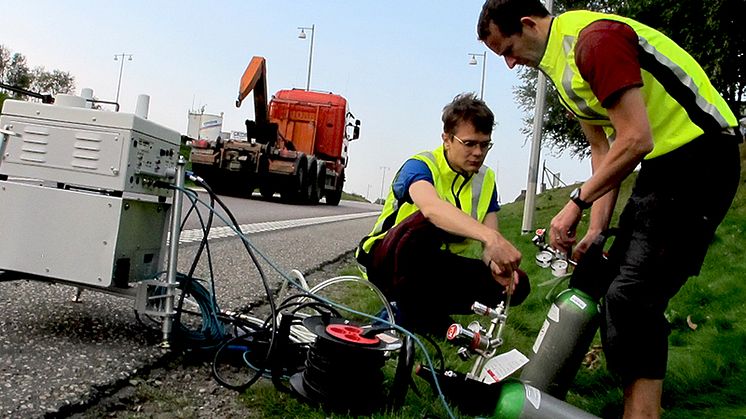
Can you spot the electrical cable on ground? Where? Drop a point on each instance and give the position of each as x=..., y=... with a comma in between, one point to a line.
x=250, y=248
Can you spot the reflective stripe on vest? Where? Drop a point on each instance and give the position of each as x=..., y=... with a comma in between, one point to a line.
x=473, y=196
x=681, y=102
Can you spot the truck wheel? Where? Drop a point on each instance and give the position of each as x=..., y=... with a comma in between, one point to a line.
x=306, y=188
x=320, y=182
x=316, y=180
x=249, y=191
x=297, y=190
x=266, y=192
x=333, y=197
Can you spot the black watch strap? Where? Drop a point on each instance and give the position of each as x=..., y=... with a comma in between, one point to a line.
x=575, y=197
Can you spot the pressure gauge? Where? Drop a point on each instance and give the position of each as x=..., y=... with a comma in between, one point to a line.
x=559, y=267
x=544, y=258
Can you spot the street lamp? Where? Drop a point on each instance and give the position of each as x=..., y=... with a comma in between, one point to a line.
x=383, y=176
x=121, y=67
x=302, y=35
x=473, y=61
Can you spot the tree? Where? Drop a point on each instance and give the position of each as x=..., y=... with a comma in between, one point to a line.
x=15, y=72
x=712, y=35
x=4, y=61
x=18, y=72
x=562, y=131
x=712, y=31
x=53, y=82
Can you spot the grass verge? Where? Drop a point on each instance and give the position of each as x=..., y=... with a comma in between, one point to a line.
x=706, y=369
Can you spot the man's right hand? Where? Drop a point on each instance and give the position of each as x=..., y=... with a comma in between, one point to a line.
x=502, y=257
x=584, y=244
x=505, y=279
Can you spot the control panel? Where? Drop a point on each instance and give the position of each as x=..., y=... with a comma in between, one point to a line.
x=88, y=148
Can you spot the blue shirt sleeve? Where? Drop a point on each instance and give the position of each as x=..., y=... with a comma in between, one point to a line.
x=412, y=171
x=494, y=205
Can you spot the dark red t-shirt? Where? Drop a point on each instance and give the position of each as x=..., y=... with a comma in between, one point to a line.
x=606, y=55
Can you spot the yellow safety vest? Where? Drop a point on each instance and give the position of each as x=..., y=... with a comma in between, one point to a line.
x=681, y=102
x=472, y=195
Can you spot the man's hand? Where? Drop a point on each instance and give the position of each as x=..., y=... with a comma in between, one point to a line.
x=501, y=256
x=562, y=228
x=504, y=279
x=584, y=244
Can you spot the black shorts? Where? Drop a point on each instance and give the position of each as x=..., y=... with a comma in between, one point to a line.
x=665, y=229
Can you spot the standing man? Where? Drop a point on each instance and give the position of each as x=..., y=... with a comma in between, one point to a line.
x=640, y=99
x=435, y=248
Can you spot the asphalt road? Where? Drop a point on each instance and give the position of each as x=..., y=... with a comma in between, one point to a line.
x=55, y=352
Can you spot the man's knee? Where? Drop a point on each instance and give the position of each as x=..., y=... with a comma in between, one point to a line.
x=635, y=334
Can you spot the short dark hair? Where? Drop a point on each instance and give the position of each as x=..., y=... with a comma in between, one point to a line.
x=507, y=14
x=467, y=108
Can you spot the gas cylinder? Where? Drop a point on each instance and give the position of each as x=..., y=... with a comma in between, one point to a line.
x=563, y=340
x=571, y=324
x=520, y=400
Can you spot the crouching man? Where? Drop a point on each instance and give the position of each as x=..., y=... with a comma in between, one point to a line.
x=436, y=248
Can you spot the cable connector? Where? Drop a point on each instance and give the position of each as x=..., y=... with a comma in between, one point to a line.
x=194, y=178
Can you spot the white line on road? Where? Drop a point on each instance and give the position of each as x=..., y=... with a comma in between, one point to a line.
x=195, y=235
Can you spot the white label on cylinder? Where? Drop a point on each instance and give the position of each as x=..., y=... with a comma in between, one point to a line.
x=578, y=302
x=533, y=395
x=554, y=313
x=501, y=366
x=540, y=338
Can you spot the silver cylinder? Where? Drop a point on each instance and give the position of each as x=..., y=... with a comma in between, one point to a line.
x=70, y=101
x=87, y=94
x=143, y=106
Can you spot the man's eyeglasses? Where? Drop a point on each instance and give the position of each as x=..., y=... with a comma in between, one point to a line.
x=484, y=145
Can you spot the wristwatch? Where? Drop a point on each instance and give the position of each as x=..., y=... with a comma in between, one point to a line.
x=575, y=197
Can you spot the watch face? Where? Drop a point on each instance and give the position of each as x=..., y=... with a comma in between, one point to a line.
x=575, y=197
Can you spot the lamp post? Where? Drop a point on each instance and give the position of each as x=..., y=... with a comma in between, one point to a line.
x=383, y=176
x=121, y=67
x=302, y=35
x=529, y=206
x=473, y=61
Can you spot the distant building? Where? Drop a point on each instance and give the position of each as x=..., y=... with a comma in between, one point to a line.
x=204, y=126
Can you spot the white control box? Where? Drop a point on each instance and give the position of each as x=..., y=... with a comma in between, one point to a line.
x=89, y=148
x=80, y=237
x=78, y=196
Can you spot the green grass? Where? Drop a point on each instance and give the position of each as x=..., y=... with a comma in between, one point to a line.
x=707, y=365
x=348, y=196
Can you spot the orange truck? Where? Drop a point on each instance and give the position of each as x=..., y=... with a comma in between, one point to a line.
x=296, y=145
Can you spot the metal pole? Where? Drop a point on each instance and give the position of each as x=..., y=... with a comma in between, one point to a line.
x=173, y=250
x=543, y=173
x=383, y=176
x=310, y=58
x=121, y=68
x=119, y=83
x=484, y=66
x=529, y=207
x=473, y=61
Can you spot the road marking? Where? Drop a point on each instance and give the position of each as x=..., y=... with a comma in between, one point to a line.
x=195, y=235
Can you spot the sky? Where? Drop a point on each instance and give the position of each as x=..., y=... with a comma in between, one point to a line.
x=397, y=63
